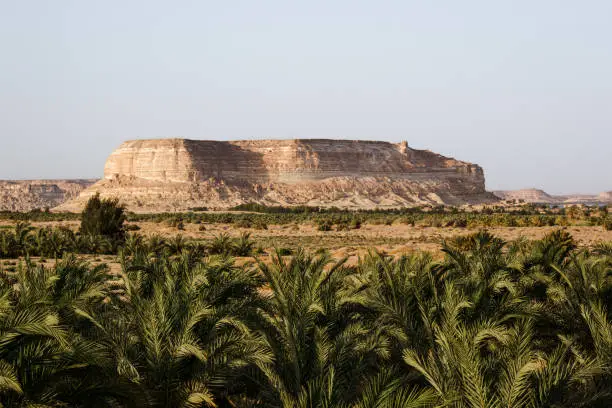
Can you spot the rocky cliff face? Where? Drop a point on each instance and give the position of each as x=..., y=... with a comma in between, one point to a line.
x=178, y=174
x=26, y=195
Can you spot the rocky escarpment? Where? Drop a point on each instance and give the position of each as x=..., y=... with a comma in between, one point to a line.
x=27, y=195
x=179, y=174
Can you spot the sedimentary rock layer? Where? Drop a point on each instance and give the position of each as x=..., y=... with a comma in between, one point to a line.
x=282, y=161
x=178, y=174
x=26, y=195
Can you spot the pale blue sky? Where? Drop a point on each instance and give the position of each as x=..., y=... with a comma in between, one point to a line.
x=521, y=87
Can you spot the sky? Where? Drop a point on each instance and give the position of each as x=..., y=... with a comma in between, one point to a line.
x=521, y=87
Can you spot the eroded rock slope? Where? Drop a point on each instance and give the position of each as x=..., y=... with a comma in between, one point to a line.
x=181, y=174
x=26, y=195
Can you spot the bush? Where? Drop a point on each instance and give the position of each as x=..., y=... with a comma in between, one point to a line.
x=259, y=250
x=343, y=226
x=457, y=223
x=259, y=224
x=408, y=220
x=176, y=222
x=103, y=217
x=242, y=223
x=324, y=225
x=284, y=251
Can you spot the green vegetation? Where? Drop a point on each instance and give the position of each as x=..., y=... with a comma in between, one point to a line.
x=492, y=324
x=103, y=217
x=259, y=216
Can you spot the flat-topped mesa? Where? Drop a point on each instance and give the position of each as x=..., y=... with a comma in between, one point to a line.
x=181, y=174
x=276, y=161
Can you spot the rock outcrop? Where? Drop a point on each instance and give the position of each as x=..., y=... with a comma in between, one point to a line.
x=532, y=195
x=27, y=195
x=527, y=195
x=180, y=174
x=605, y=197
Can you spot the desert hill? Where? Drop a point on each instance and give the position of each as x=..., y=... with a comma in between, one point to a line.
x=528, y=195
x=181, y=174
x=26, y=195
x=533, y=195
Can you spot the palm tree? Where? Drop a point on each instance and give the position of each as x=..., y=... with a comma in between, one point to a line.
x=156, y=244
x=402, y=299
x=221, y=244
x=185, y=345
x=177, y=244
x=487, y=364
x=134, y=243
x=479, y=267
x=577, y=309
x=8, y=245
x=23, y=237
x=320, y=347
x=43, y=362
x=243, y=245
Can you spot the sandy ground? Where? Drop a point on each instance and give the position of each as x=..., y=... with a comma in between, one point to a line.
x=393, y=239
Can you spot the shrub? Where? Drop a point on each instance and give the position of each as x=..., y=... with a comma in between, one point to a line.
x=408, y=220
x=324, y=225
x=199, y=209
x=259, y=224
x=343, y=226
x=259, y=250
x=284, y=251
x=459, y=222
x=176, y=222
x=435, y=222
x=355, y=223
x=103, y=217
x=242, y=223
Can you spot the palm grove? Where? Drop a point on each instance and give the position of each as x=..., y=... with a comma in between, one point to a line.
x=493, y=324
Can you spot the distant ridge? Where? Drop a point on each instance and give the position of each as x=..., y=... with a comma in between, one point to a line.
x=27, y=195
x=532, y=195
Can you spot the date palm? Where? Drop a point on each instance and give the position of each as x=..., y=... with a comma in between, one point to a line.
x=402, y=298
x=186, y=337
x=23, y=237
x=480, y=268
x=488, y=364
x=46, y=357
x=321, y=347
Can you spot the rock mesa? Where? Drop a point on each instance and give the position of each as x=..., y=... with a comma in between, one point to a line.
x=182, y=174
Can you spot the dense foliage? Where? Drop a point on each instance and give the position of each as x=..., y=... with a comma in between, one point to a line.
x=258, y=216
x=25, y=240
x=103, y=217
x=493, y=324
